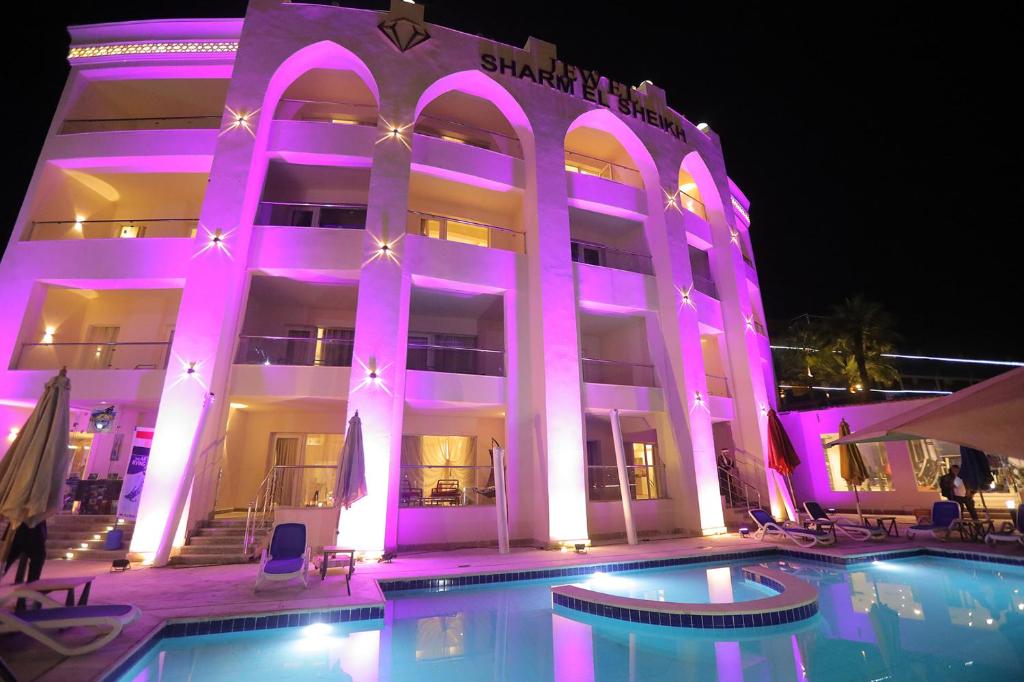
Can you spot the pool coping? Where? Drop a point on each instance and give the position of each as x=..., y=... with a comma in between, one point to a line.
x=795, y=600
x=182, y=626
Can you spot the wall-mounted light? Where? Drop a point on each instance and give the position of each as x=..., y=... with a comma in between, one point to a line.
x=48, y=334
x=748, y=321
x=734, y=236
x=385, y=250
x=671, y=200
x=241, y=119
x=78, y=223
x=373, y=376
x=191, y=369
x=215, y=240
x=238, y=406
x=686, y=296
x=764, y=410
x=12, y=435
x=698, y=401
x=393, y=131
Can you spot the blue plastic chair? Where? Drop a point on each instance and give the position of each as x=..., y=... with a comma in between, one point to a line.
x=945, y=519
x=288, y=557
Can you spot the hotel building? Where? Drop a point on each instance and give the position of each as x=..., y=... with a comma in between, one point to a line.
x=316, y=211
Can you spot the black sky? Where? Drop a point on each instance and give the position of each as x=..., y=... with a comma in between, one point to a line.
x=879, y=144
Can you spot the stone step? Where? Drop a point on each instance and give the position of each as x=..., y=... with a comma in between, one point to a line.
x=223, y=548
x=219, y=533
x=215, y=539
x=87, y=554
x=224, y=523
x=207, y=559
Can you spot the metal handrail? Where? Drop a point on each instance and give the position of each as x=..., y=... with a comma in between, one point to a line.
x=93, y=344
x=431, y=346
x=202, y=117
x=465, y=125
x=603, y=162
x=616, y=362
x=312, y=205
x=714, y=382
x=298, y=338
x=259, y=516
x=464, y=221
x=583, y=242
x=115, y=220
x=738, y=490
x=653, y=471
x=652, y=383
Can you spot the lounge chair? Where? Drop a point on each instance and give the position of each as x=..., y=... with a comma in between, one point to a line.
x=805, y=537
x=945, y=519
x=852, y=530
x=1010, y=532
x=54, y=616
x=288, y=557
x=446, y=490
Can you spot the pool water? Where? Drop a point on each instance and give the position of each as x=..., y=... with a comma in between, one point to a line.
x=919, y=619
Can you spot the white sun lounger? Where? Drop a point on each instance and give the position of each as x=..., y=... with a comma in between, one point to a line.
x=53, y=616
x=804, y=537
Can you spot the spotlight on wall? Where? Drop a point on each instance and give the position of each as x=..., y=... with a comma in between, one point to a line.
x=12, y=435
x=685, y=297
x=1011, y=504
x=48, y=334
x=191, y=368
x=78, y=224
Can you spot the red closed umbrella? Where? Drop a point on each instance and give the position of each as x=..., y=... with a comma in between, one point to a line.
x=782, y=455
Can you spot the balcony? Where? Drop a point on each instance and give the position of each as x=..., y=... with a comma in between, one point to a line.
x=589, y=165
x=74, y=126
x=646, y=482
x=457, y=132
x=466, y=232
x=304, y=214
x=102, y=355
x=340, y=113
x=601, y=255
x=705, y=285
x=131, y=228
x=692, y=204
x=718, y=386
x=429, y=357
x=620, y=373
x=294, y=351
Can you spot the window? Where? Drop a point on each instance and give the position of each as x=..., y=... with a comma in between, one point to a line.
x=445, y=471
x=926, y=456
x=644, y=472
x=590, y=254
x=876, y=461
x=305, y=468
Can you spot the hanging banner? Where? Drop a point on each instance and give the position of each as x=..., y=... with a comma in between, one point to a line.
x=131, y=491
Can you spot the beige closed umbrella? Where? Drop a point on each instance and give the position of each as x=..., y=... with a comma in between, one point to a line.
x=32, y=472
x=851, y=465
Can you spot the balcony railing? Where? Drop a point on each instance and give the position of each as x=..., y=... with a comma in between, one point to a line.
x=299, y=214
x=458, y=132
x=294, y=351
x=342, y=113
x=692, y=204
x=433, y=358
x=705, y=285
x=758, y=327
x=81, y=355
x=434, y=485
x=592, y=253
x=646, y=482
x=718, y=386
x=133, y=228
x=588, y=165
x=466, y=232
x=100, y=125
x=622, y=373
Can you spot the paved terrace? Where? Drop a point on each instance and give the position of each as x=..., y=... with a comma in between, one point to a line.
x=190, y=593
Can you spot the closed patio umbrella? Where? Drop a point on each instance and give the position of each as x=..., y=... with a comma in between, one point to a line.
x=350, y=483
x=975, y=472
x=782, y=455
x=32, y=472
x=851, y=465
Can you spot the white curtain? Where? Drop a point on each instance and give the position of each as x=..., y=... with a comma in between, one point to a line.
x=289, y=481
x=428, y=459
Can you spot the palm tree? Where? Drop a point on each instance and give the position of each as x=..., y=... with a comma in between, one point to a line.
x=857, y=333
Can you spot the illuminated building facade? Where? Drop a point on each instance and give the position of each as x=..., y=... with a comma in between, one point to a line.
x=320, y=210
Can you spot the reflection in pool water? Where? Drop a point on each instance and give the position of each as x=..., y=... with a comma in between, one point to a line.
x=912, y=619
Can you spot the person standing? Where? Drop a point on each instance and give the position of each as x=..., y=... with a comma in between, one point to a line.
x=953, y=488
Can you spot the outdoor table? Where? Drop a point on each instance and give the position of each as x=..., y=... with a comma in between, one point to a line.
x=886, y=523
x=69, y=585
x=974, y=531
x=331, y=551
x=822, y=525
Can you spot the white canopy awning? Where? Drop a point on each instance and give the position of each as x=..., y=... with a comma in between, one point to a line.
x=988, y=416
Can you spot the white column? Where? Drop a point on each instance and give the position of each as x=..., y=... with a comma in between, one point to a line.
x=500, y=503
x=620, y=464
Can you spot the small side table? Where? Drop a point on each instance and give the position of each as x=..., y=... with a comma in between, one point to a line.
x=329, y=552
x=886, y=523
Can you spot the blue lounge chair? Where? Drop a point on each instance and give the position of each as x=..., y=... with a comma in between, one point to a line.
x=1011, y=532
x=768, y=526
x=945, y=519
x=54, y=616
x=852, y=530
x=288, y=557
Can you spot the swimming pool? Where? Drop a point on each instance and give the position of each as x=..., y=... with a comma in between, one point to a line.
x=921, y=618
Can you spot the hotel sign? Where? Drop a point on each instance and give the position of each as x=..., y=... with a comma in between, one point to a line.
x=587, y=84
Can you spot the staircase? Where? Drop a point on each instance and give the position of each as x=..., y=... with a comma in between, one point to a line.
x=82, y=537
x=215, y=543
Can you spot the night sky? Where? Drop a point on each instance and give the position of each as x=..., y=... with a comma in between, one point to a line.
x=881, y=149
